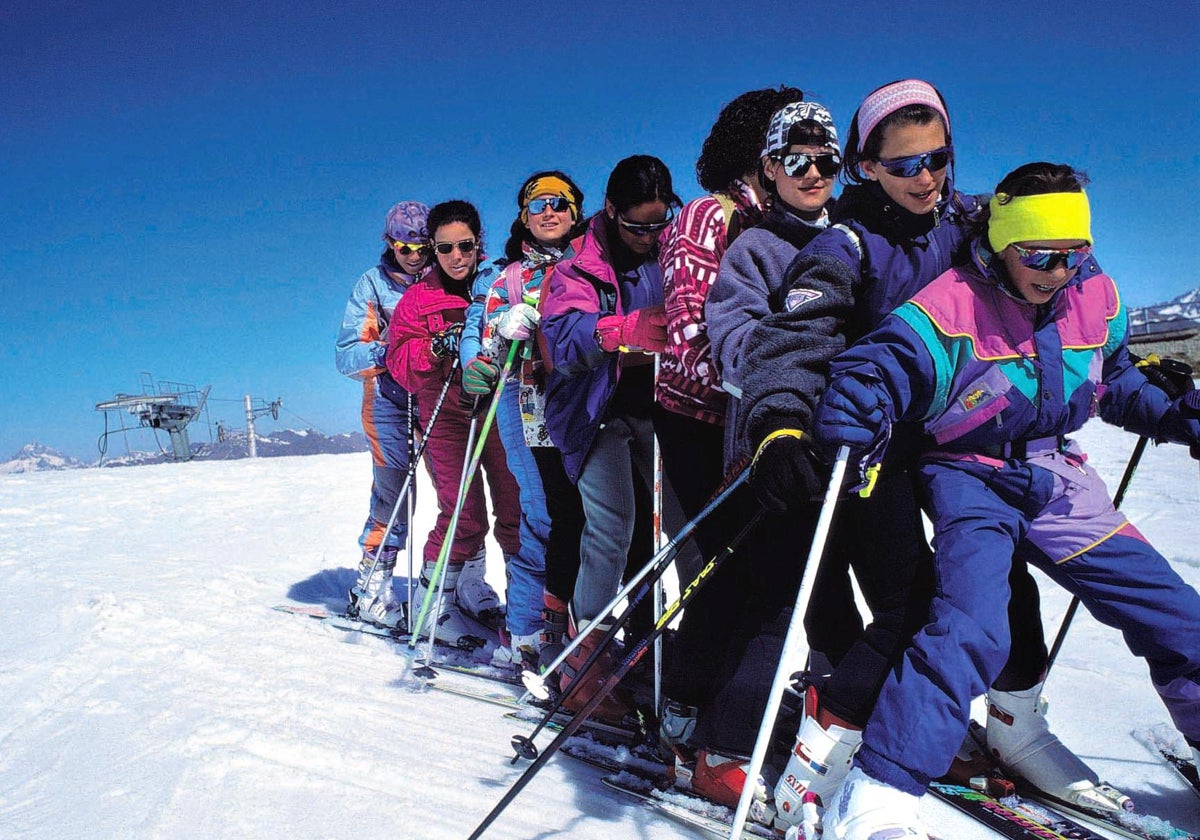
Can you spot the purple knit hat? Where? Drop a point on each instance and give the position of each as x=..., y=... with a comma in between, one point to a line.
x=891, y=98
x=407, y=221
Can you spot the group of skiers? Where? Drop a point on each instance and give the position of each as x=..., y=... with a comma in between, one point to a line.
x=949, y=342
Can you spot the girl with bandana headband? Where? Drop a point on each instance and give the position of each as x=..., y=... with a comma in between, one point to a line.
x=998, y=361
x=541, y=576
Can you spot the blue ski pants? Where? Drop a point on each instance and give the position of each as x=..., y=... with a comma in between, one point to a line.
x=526, y=569
x=983, y=516
x=385, y=423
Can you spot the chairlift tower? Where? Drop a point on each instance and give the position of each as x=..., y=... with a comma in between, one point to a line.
x=170, y=406
x=253, y=411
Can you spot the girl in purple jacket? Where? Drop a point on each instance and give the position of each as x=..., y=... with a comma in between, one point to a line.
x=603, y=321
x=998, y=361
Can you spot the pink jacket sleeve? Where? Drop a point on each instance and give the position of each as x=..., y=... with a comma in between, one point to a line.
x=410, y=359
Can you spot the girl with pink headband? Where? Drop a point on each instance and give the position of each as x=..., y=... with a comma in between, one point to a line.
x=898, y=224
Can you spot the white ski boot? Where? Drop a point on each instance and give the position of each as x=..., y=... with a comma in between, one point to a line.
x=819, y=762
x=865, y=809
x=520, y=654
x=372, y=598
x=451, y=625
x=1021, y=741
x=476, y=597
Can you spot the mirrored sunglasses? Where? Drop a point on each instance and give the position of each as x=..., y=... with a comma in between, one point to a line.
x=645, y=228
x=407, y=248
x=911, y=166
x=1046, y=259
x=538, y=206
x=797, y=163
x=466, y=246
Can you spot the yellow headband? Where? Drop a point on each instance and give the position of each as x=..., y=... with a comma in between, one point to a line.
x=548, y=185
x=1034, y=218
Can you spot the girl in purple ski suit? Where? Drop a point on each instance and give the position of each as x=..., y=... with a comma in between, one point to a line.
x=999, y=361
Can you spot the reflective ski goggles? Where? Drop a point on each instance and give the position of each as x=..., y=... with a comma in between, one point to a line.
x=911, y=166
x=797, y=163
x=406, y=248
x=1045, y=259
x=466, y=246
x=646, y=228
x=538, y=206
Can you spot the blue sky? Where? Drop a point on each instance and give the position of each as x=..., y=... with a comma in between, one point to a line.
x=192, y=189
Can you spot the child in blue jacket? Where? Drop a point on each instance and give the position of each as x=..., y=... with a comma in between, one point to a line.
x=999, y=360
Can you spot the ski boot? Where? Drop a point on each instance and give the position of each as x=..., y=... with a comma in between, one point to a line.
x=865, y=809
x=475, y=596
x=519, y=654
x=371, y=599
x=720, y=778
x=618, y=706
x=819, y=761
x=1020, y=740
x=451, y=625
x=676, y=725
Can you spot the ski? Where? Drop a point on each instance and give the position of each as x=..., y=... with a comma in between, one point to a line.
x=341, y=621
x=605, y=732
x=714, y=820
x=1013, y=816
x=619, y=758
x=1135, y=826
x=1164, y=742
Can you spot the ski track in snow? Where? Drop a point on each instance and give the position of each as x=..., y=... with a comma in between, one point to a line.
x=147, y=689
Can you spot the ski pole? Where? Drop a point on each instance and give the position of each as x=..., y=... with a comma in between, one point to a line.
x=793, y=641
x=411, y=500
x=469, y=468
x=535, y=684
x=412, y=472
x=658, y=534
x=632, y=657
x=1073, y=607
x=651, y=580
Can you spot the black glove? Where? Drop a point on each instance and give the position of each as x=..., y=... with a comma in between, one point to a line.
x=786, y=472
x=444, y=344
x=474, y=404
x=1171, y=376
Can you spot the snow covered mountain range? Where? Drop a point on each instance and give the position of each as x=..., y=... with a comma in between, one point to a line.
x=1183, y=311
x=36, y=457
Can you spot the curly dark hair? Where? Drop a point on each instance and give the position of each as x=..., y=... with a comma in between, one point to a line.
x=736, y=138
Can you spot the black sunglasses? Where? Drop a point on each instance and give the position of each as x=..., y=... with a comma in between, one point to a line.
x=646, y=228
x=466, y=246
x=538, y=206
x=796, y=164
x=911, y=166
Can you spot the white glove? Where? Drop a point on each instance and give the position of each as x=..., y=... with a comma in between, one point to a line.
x=518, y=322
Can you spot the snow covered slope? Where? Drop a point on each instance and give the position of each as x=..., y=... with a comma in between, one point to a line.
x=147, y=689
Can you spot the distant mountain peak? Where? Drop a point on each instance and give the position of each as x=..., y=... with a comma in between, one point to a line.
x=37, y=457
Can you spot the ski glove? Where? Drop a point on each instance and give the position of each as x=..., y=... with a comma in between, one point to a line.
x=444, y=344
x=480, y=375
x=785, y=472
x=1171, y=376
x=851, y=413
x=643, y=329
x=1181, y=422
x=518, y=322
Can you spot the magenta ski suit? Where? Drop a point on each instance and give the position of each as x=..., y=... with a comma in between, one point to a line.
x=426, y=309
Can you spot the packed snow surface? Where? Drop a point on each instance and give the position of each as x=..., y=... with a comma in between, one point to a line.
x=147, y=688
